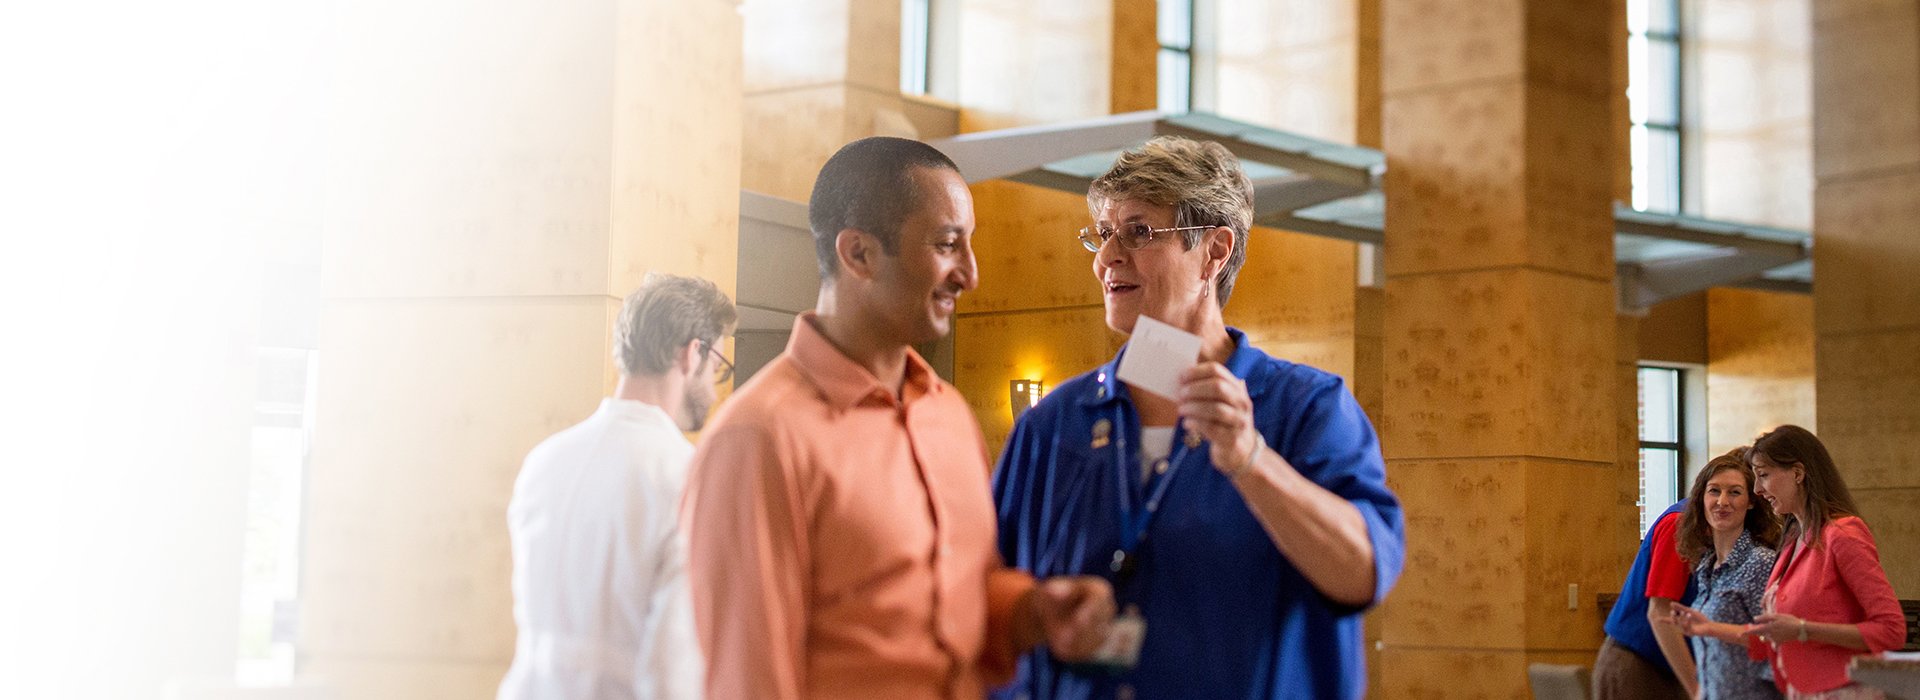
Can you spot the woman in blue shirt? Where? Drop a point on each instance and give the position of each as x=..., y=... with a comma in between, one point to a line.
x=1245, y=518
x=1732, y=542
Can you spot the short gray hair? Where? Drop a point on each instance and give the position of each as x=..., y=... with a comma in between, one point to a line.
x=1201, y=180
x=662, y=316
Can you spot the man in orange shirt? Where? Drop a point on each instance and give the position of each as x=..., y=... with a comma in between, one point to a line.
x=842, y=535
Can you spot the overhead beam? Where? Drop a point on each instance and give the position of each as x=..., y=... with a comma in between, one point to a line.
x=1319, y=172
x=1351, y=176
x=1768, y=284
x=1644, y=284
x=1626, y=220
x=774, y=210
x=1041, y=177
x=1329, y=229
x=1283, y=196
x=991, y=155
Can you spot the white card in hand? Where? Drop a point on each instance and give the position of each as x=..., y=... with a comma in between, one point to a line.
x=1156, y=355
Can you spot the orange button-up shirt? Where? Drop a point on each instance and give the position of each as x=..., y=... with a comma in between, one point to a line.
x=842, y=537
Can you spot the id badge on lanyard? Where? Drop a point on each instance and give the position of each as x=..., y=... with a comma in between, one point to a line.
x=1120, y=651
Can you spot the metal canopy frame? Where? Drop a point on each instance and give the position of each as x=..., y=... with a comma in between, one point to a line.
x=1330, y=189
x=1289, y=172
x=1662, y=256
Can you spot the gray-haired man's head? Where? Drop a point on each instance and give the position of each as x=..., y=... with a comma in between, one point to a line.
x=657, y=323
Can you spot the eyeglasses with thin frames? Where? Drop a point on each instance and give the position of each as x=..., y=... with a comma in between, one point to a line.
x=1133, y=235
x=726, y=365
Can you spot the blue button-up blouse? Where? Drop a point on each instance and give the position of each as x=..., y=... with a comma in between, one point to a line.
x=1731, y=592
x=1227, y=615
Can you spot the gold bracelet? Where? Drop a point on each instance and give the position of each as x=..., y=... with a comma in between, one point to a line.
x=1803, y=629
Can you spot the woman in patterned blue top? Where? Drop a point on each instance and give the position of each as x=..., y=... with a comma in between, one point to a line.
x=1731, y=542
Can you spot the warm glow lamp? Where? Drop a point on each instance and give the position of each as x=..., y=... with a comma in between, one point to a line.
x=1024, y=393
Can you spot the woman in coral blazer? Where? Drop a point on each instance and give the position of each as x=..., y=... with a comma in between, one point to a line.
x=1828, y=600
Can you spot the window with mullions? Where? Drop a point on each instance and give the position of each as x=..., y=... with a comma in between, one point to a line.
x=1175, y=25
x=916, y=28
x=287, y=360
x=1654, y=101
x=276, y=482
x=1662, y=437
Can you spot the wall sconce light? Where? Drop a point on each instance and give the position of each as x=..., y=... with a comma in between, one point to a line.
x=1024, y=393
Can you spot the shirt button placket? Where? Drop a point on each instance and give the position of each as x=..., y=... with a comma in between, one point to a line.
x=942, y=626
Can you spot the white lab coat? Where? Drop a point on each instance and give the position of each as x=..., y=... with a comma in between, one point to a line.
x=599, y=581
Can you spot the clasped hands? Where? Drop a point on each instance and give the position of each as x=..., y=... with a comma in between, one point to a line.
x=1771, y=627
x=1071, y=615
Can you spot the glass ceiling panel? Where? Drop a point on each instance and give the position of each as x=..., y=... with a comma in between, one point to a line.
x=1641, y=237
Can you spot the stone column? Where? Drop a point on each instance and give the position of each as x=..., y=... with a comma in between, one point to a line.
x=501, y=178
x=1866, y=154
x=817, y=75
x=1501, y=369
x=1760, y=365
x=1625, y=530
x=1134, y=82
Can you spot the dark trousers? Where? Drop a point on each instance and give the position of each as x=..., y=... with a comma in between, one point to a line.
x=1620, y=674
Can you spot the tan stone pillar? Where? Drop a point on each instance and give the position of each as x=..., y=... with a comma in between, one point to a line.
x=1625, y=527
x=1760, y=365
x=817, y=75
x=1501, y=368
x=1366, y=74
x=1866, y=154
x=502, y=176
x=1136, y=57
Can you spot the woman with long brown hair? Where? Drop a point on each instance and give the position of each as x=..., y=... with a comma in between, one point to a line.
x=1828, y=598
x=1731, y=540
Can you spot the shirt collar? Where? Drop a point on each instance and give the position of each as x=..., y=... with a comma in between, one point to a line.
x=1109, y=389
x=636, y=410
x=843, y=382
x=1742, y=548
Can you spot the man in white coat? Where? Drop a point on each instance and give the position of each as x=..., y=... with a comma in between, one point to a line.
x=599, y=584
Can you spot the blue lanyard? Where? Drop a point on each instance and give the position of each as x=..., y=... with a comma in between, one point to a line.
x=1135, y=522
